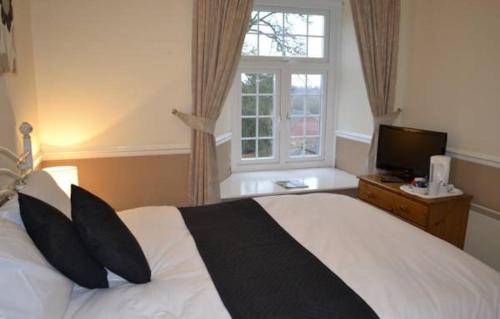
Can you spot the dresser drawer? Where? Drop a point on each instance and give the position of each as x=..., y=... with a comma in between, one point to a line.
x=410, y=210
x=375, y=196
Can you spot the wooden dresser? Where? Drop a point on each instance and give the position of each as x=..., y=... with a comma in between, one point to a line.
x=445, y=218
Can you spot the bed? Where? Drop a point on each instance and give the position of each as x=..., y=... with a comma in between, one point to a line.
x=400, y=271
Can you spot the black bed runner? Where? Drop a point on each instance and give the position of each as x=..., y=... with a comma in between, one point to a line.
x=260, y=271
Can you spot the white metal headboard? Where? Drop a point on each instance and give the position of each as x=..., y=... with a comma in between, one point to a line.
x=24, y=164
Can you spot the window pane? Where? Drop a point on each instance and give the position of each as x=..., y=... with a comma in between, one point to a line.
x=248, y=105
x=297, y=104
x=248, y=149
x=313, y=105
x=265, y=127
x=266, y=105
x=314, y=84
x=312, y=126
x=266, y=83
x=315, y=48
x=316, y=25
x=248, y=127
x=266, y=148
x=268, y=46
x=312, y=146
x=297, y=126
x=298, y=83
x=307, y=113
x=250, y=44
x=285, y=34
x=295, y=46
x=272, y=19
x=249, y=83
x=296, y=147
x=296, y=24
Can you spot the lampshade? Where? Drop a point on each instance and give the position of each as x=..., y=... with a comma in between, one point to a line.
x=64, y=176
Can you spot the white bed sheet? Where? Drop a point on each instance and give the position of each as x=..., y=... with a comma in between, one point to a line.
x=399, y=270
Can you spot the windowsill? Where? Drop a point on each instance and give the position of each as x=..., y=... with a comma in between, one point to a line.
x=254, y=184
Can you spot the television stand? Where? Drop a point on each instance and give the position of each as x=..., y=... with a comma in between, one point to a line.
x=444, y=217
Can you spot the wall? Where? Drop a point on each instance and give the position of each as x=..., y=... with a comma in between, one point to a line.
x=455, y=69
x=353, y=111
x=17, y=91
x=127, y=182
x=352, y=156
x=109, y=74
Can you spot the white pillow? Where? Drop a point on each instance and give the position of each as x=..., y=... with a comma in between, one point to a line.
x=40, y=185
x=30, y=286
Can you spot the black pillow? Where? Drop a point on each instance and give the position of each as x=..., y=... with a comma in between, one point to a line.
x=107, y=238
x=57, y=239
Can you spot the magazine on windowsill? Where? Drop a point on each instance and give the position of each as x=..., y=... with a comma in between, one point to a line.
x=292, y=184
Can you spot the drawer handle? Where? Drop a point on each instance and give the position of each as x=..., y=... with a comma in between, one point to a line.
x=370, y=195
x=403, y=208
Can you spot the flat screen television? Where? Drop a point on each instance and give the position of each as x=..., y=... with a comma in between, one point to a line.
x=406, y=152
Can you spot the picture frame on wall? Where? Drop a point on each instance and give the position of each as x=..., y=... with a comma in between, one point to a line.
x=8, y=58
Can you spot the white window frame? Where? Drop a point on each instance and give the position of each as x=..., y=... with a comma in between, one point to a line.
x=284, y=67
x=276, y=123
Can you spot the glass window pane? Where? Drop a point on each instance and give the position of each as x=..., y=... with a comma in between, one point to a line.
x=296, y=24
x=250, y=45
x=315, y=48
x=248, y=149
x=248, y=105
x=273, y=19
x=298, y=104
x=296, y=147
x=266, y=83
x=295, y=46
x=313, y=125
x=266, y=148
x=297, y=126
x=266, y=105
x=316, y=25
x=249, y=83
x=254, y=20
x=313, y=104
x=265, y=127
x=312, y=146
x=248, y=128
x=298, y=83
x=314, y=84
x=268, y=46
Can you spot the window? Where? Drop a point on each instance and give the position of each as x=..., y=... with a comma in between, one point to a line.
x=285, y=34
x=305, y=117
x=257, y=115
x=284, y=90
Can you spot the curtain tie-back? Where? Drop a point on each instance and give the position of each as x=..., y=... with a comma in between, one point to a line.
x=198, y=123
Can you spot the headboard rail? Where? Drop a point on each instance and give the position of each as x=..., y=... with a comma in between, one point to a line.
x=23, y=162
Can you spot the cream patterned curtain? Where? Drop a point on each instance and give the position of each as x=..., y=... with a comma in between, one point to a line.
x=219, y=28
x=377, y=31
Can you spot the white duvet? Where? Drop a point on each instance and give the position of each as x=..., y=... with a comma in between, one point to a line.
x=399, y=270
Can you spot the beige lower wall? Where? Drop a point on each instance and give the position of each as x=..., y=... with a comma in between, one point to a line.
x=483, y=238
x=477, y=180
x=224, y=160
x=351, y=156
x=128, y=182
